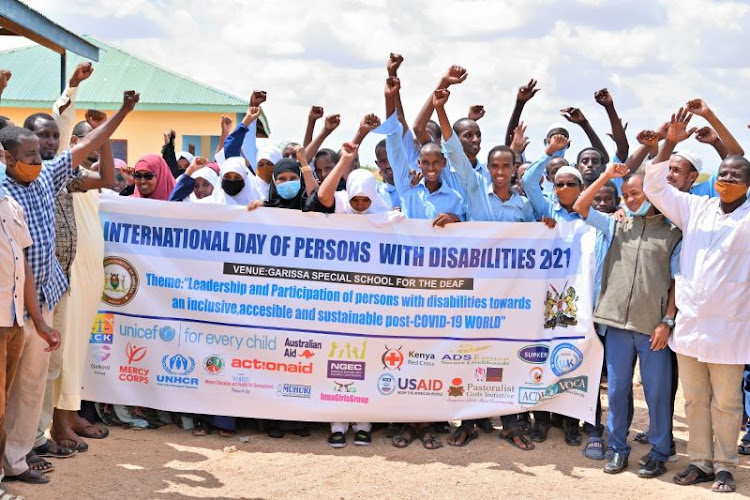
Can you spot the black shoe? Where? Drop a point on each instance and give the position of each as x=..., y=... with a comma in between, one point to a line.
x=572, y=434
x=618, y=464
x=362, y=438
x=641, y=438
x=539, y=432
x=653, y=468
x=337, y=440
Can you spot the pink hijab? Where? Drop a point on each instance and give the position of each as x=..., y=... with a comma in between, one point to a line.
x=164, y=180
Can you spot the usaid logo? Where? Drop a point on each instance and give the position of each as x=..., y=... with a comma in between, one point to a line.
x=536, y=354
x=565, y=358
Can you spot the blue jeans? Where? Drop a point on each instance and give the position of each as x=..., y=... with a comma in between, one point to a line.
x=656, y=372
x=746, y=392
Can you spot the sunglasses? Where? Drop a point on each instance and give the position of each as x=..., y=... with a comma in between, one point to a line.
x=143, y=175
x=569, y=184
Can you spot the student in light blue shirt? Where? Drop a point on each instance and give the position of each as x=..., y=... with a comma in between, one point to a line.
x=431, y=198
x=386, y=188
x=487, y=200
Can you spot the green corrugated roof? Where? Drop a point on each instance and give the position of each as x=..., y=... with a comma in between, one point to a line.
x=36, y=80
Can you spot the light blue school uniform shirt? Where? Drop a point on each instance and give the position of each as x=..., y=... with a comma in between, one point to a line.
x=389, y=193
x=483, y=204
x=416, y=202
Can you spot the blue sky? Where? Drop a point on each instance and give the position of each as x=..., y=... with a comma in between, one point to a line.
x=652, y=55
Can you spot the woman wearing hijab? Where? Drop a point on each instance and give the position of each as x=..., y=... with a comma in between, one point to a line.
x=237, y=186
x=268, y=157
x=198, y=182
x=153, y=180
x=361, y=197
x=291, y=184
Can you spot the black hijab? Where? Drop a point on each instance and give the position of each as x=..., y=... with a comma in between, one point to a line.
x=276, y=201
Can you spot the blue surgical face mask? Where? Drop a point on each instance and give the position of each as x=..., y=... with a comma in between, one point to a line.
x=288, y=189
x=642, y=210
x=2, y=172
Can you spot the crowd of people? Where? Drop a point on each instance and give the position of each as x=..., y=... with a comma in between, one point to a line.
x=671, y=260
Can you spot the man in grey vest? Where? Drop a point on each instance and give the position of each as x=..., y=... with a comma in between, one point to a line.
x=636, y=305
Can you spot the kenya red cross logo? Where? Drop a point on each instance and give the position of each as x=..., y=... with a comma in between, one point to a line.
x=392, y=358
x=134, y=353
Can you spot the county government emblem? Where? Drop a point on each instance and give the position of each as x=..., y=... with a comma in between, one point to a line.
x=120, y=281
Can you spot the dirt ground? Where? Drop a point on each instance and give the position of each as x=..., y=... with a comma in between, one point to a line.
x=172, y=464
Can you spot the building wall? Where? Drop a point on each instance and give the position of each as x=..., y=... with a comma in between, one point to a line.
x=144, y=130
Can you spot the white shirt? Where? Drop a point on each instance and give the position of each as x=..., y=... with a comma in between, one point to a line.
x=713, y=287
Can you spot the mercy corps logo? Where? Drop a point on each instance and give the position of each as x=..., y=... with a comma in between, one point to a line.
x=131, y=373
x=120, y=281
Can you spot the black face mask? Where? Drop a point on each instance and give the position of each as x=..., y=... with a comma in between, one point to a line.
x=232, y=188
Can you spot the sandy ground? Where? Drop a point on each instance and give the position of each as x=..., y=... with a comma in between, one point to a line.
x=172, y=464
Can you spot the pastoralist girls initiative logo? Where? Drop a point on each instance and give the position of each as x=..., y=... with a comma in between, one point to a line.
x=120, y=281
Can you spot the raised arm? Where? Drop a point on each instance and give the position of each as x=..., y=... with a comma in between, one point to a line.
x=167, y=152
x=315, y=114
x=583, y=204
x=226, y=128
x=5, y=75
x=707, y=135
x=369, y=123
x=105, y=177
x=311, y=184
x=520, y=141
x=234, y=141
x=575, y=115
x=63, y=111
x=677, y=132
x=332, y=122
x=394, y=62
x=618, y=135
x=700, y=108
x=649, y=141
x=533, y=175
x=327, y=189
x=476, y=112
x=524, y=95
x=96, y=138
x=249, y=144
x=456, y=74
x=467, y=176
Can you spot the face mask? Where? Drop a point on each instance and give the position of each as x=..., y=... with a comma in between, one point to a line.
x=2, y=172
x=642, y=210
x=730, y=192
x=27, y=173
x=560, y=154
x=288, y=189
x=232, y=187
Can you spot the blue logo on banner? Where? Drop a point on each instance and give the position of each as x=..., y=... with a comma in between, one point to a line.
x=166, y=333
x=565, y=358
x=178, y=364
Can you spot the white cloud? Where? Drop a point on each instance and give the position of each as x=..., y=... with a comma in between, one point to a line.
x=653, y=57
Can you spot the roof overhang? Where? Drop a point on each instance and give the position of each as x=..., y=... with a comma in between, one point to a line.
x=19, y=19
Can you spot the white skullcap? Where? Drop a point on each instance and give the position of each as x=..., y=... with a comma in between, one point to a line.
x=693, y=158
x=184, y=154
x=568, y=170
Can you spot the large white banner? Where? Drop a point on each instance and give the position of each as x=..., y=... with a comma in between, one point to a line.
x=285, y=315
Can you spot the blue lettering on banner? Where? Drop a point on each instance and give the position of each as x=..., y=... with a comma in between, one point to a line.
x=565, y=358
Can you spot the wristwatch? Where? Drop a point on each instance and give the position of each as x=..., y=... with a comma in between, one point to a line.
x=669, y=322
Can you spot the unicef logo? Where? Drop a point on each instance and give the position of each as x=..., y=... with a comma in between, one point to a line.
x=178, y=364
x=167, y=333
x=565, y=358
x=386, y=384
